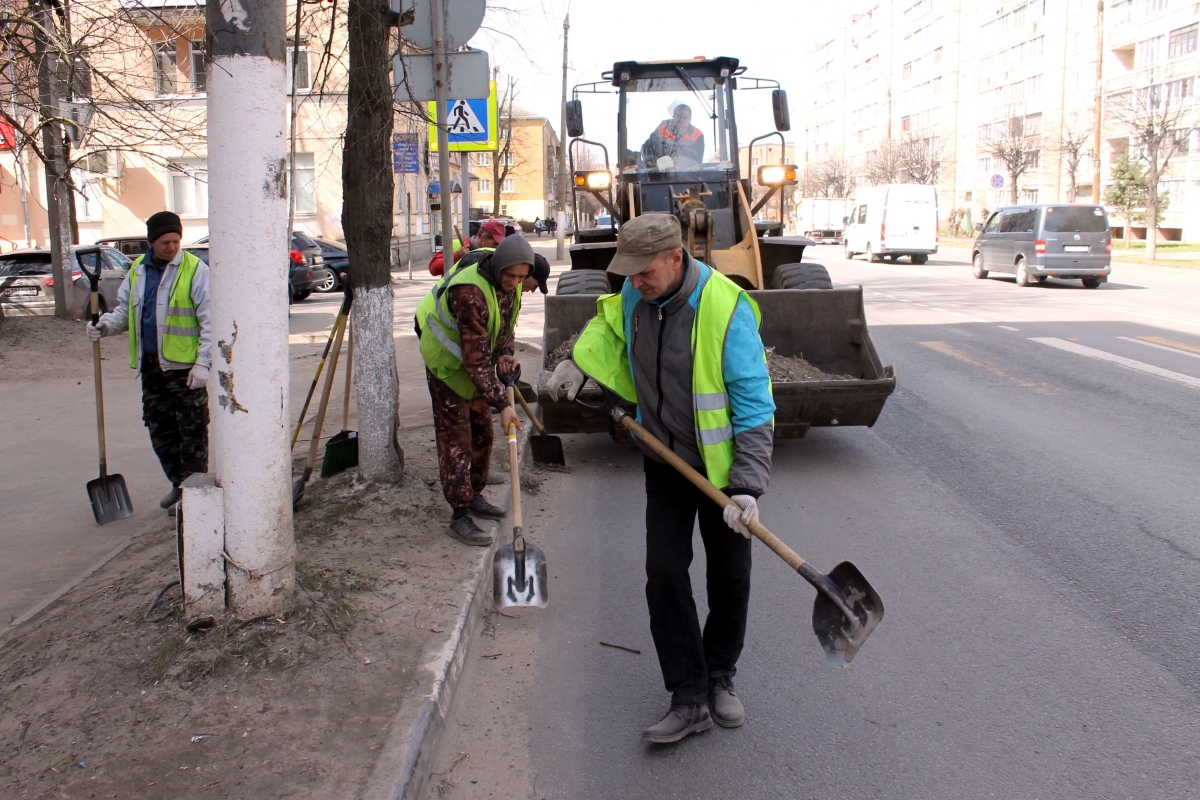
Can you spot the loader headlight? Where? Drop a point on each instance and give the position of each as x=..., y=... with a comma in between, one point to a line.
x=593, y=181
x=777, y=175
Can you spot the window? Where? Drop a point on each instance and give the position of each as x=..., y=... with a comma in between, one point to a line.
x=1180, y=90
x=189, y=187
x=485, y=186
x=993, y=224
x=509, y=186
x=302, y=83
x=1183, y=41
x=1183, y=140
x=984, y=164
x=862, y=215
x=306, y=184
x=166, y=77
x=87, y=196
x=937, y=55
x=506, y=158
x=199, y=69
x=905, y=124
x=907, y=71
x=484, y=159
x=1033, y=125
x=1149, y=51
x=937, y=85
x=1030, y=196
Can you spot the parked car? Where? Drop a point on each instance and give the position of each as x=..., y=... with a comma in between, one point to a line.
x=27, y=282
x=1035, y=242
x=900, y=219
x=306, y=265
x=129, y=246
x=337, y=261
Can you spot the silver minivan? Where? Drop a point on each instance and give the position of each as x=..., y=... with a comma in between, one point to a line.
x=1035, y=242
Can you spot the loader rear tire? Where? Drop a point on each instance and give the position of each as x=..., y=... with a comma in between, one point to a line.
x=582, y=281
x=805, y=275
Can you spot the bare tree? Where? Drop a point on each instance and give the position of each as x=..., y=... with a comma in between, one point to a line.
x=1073, y=146
x=919, y=159
x=505, y=158
x=832, y=178
x=1017, y=149
x=883, y=164
x=1160, y=119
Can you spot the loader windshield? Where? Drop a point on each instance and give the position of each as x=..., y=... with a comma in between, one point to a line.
x=678, y=124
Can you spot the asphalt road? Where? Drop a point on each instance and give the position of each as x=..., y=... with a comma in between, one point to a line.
x=1026, y=506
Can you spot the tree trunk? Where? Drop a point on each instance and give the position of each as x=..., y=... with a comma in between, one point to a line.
x=1152, y=210
x=367, y=186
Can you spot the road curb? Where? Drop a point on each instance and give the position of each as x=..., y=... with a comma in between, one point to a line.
x=416, y=732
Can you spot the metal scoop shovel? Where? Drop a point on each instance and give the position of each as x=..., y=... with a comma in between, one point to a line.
x=518, y=569
x=847, y=607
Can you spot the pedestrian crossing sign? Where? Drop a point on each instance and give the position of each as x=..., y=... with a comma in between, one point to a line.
x=472, y=125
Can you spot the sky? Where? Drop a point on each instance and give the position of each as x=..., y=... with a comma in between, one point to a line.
x=524, y=38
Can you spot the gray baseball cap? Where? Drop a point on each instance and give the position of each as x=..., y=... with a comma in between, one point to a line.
x=641, y=239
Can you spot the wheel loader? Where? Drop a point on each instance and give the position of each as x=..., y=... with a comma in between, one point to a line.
x=665, y=165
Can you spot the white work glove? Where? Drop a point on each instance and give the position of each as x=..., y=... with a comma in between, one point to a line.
x=738, y=517
x=96, y=332
x=567, y=380
x=198, y=377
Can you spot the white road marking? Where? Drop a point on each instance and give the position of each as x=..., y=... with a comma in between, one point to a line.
x=1159, y=346
x=1008, y=328
x=1128, y=363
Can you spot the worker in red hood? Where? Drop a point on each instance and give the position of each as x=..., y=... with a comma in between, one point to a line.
x=491, y=234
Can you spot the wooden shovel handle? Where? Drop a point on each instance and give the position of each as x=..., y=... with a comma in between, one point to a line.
x=772, y=541
x=514, y=470
x=99, y=387
x=530, y=414
x=349, y=375
x=325, y=390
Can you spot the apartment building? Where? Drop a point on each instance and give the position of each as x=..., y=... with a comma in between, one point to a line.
x=527, y=172
x=162, y=64
x=963, y=79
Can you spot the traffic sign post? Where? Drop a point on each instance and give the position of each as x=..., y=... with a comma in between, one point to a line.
x=471, y=125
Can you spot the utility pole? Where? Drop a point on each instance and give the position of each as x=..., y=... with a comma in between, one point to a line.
x=440, y=79
x=57, y=189
x=248, y=395
x=1099, y=101
x=291, y=224
x=561, y=217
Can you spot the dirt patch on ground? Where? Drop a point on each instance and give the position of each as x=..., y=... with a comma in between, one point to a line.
x=98, y=702
x=32, y=348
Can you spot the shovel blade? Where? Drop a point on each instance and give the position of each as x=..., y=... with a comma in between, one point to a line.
x=110, y=499
x=519, y=580
x=840, y=637
x=547, y=450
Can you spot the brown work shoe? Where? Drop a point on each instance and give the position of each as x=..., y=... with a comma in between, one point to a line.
x=466, y=531
x=680, y=721
x=727, y=710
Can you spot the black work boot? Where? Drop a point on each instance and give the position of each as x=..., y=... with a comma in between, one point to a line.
x=680, y=721
x=485, y=509
x=727, y=710
x=466, y=531
x=172, y=497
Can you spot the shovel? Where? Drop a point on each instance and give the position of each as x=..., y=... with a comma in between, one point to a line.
x=341, y=452
x=546, y=449
x=518, y=569
x=847, y=607
x=343, y=311
x=299, y=484
x=109, y=496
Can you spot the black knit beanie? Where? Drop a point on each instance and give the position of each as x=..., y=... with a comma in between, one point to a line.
x=163, y=222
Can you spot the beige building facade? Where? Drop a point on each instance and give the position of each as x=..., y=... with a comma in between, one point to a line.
x=526, y=172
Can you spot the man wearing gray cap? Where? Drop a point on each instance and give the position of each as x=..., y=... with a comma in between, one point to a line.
x=681, y=340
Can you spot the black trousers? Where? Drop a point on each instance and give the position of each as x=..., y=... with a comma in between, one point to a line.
x=177, y=418
x=687, y=656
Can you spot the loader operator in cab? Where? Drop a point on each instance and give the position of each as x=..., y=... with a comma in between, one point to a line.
x=675, y=143
x=681, y=341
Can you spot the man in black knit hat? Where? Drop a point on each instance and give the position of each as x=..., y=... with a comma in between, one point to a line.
x=164, y=304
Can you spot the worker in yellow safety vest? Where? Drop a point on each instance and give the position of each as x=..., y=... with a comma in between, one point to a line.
x=164, y=304
x=681, y=341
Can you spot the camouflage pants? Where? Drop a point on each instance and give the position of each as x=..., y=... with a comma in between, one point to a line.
x=463, y=429
x=177, y=418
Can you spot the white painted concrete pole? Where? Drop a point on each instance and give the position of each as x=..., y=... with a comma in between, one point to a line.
x=248, y=394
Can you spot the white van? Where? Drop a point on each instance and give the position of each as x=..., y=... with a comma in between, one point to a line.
x=899, y=219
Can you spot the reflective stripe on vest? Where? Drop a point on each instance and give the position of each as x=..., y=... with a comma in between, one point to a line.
x=181, y=328
x=441, y=341
x=603, y=355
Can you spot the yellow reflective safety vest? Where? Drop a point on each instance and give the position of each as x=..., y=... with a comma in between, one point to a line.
x=441, y=341
x=428, y=303
x=181, y=329
x=602, y=353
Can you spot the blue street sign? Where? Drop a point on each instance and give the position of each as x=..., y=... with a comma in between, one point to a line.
x=997, y=181
x=406, y=152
